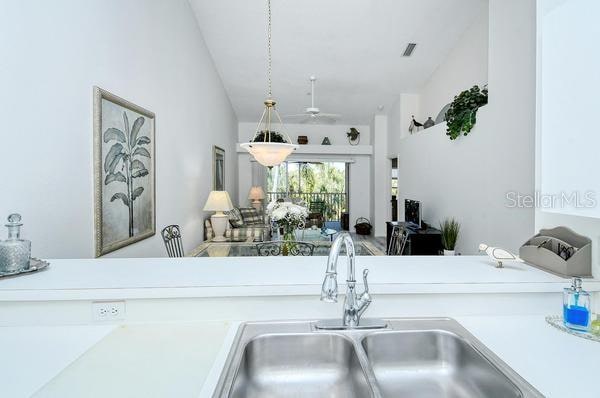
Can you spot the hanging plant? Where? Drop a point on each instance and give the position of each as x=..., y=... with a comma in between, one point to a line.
x=273, y=136
x=462, y=114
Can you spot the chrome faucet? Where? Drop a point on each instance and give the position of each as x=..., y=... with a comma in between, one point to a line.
x=354, y=304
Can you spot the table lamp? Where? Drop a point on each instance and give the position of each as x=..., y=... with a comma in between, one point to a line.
x=218, y=201
x=256, y=195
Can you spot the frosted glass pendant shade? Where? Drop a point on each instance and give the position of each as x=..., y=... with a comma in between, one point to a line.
x=269, y=146
x=269, y=153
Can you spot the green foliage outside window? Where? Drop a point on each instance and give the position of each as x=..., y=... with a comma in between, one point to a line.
x=307, y=179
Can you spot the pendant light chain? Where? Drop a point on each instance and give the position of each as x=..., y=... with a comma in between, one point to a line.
x=265, y=151
x=269, y=47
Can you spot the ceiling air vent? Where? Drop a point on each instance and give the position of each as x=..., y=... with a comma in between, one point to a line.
x=409, y=49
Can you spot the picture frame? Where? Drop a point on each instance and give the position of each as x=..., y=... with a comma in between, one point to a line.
x=124, y=172
x=218, y=169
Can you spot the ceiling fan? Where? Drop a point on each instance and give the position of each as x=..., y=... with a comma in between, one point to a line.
x=313, y=114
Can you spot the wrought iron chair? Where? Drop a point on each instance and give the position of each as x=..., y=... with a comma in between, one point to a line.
x=284, y=248
x=397, y=241
x=171, y=235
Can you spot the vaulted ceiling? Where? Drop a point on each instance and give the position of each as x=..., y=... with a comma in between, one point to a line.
x=354, y=47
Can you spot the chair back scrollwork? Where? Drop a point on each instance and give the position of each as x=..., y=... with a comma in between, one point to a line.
x=398, y=241
x=285, y=248
x=171, y=235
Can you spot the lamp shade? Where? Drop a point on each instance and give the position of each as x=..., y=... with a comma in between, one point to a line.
x=218, y=201
x=269, y=153
x=256, y=193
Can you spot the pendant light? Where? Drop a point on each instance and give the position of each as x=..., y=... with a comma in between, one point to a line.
x=270, y=146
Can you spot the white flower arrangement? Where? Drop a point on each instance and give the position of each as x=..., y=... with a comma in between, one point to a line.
x=287, y=213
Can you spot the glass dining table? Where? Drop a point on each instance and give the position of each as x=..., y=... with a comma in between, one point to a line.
x=248, y=249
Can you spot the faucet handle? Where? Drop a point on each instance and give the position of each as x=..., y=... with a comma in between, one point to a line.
x=365, y=298
x=365, y=282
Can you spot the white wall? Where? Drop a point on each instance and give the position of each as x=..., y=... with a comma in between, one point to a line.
x=567, y=100
x=150, y=52
x=409, y=106
x=360, y=168
x=373, y=178
x=381, y=176
x=566, y=152
x=465, y=66
x=399, y=119
x=394, y=125
x=469, y=178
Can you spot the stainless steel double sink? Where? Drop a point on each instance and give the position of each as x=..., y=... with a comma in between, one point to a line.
x=427, y=357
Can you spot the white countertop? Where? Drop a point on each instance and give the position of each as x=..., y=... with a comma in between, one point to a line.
x=92, y=279
x=185, y=359
x=145, y=360
x=558, y=364
x=31, y=356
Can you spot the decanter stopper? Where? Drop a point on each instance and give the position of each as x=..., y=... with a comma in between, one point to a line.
x=14, y=226
x=15, y=252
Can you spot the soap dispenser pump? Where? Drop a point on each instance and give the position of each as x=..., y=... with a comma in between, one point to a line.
x=576, y=307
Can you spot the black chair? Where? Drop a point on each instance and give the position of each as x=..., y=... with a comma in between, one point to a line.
x=284, y=248
x=316, y=213
x=171, y=235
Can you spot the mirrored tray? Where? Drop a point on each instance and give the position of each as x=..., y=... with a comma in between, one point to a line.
x=557, y=322
x=35, y=264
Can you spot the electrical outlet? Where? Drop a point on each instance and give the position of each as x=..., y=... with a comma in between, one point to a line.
x=108, y=311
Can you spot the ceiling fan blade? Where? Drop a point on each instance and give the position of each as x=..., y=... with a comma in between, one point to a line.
x=307, y=120
x=330, y=115
x=325, y=118
x=298, y=115
x=313, y=114
x=318, y=119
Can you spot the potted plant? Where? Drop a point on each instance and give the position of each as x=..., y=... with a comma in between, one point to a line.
x=353, y=136
x=450, y=230
x=270, y=136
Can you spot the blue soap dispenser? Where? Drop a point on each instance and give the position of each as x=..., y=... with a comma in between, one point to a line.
x=576, y=307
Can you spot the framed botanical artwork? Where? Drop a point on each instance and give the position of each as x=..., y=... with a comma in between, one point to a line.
x=218, y=169
x=124, y=172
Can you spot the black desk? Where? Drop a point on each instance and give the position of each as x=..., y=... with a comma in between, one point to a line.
x=421, y=242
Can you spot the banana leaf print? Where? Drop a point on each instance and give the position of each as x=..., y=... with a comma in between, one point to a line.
x=124, y=162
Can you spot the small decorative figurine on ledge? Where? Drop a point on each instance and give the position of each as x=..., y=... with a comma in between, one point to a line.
x=302, y=140
x=428, y=123
x=498, y=255
x=353, y=136
x=414, y=125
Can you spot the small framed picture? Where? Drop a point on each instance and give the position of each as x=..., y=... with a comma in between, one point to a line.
x=218, y=169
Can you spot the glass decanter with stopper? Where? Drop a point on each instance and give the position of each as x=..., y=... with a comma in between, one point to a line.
x=15, y=252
